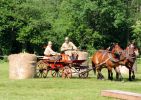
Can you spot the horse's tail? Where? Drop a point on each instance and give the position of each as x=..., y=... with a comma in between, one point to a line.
x=94, y=68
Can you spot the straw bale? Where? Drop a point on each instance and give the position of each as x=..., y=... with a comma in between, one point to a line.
x=22, y=66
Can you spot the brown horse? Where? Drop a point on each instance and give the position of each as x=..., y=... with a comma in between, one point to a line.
x=106, y=59
x=131, y=53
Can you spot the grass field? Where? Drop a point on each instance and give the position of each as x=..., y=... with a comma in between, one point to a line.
x=62, y=89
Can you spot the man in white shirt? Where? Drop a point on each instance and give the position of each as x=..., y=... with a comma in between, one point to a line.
x=48, y=51
x=69, y=48
x=67, y=45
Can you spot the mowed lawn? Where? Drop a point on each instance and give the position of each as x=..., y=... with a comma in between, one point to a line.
x=62, y=89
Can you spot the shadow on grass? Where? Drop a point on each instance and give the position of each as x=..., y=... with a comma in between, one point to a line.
x=94, y=78
x=127, y=80
x=66, y=78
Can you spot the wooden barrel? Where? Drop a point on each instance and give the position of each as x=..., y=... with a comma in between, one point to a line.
x=22, y=66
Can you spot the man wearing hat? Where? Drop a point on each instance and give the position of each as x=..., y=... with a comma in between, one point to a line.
x=48, y=51
x=67, y=45
x=68, y=48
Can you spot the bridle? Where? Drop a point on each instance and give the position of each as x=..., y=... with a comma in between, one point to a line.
x=131, y=55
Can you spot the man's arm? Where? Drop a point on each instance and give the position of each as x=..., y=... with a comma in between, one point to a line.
x=46, y=52
x=63, y=48
x=73, y=46
x=52, y=52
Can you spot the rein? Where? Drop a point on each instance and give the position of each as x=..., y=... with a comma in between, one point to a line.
x=105, y=60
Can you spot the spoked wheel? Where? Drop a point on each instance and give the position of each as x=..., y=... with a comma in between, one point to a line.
x=41, y=69
x=83, y=73
x=67, y=72
x=56, y=73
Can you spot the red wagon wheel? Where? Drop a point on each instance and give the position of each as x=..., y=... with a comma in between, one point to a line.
x=41, y=69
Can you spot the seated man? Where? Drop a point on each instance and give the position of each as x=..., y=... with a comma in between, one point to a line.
x=49, y=52
x=67, y=48
x=67, y=45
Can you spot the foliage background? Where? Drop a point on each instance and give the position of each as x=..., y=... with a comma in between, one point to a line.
x=27, y=25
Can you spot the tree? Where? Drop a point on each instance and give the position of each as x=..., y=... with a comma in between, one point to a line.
x=137, y=33
x=27, y=25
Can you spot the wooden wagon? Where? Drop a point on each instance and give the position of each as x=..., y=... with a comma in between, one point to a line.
x=58, y=67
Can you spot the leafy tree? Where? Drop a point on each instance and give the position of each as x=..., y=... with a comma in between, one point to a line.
x=27, y=25
x=137, y=33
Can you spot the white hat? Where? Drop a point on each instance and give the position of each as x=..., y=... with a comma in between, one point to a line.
x=67, y=38
x=49, y=43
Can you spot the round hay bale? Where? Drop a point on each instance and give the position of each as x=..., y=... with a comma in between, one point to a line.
x=22, y=66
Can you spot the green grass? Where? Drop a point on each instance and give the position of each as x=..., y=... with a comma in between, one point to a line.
x=62, y=89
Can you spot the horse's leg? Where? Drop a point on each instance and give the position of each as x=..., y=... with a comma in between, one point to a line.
x=117, y=74
x=109, y=76
x=102, y=77
x=94, y=68
x=130, y=79
x=110, y=73
x=133, y=76
x=133, y=72
x=99, y=75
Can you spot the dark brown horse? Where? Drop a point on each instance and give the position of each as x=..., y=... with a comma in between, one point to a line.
x=107, y=59
x=131, y=53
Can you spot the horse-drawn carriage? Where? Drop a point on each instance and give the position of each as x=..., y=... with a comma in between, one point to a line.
x=102, y=58
x=63, y=66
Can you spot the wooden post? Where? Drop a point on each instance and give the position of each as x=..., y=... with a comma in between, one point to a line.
x=121, y=94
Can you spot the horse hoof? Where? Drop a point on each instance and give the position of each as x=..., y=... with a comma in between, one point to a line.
x=111, y=79
x=133, y=77
x=100, y=78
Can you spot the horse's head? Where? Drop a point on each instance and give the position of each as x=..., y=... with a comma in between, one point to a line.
x=118, y=51
x=132, y=50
